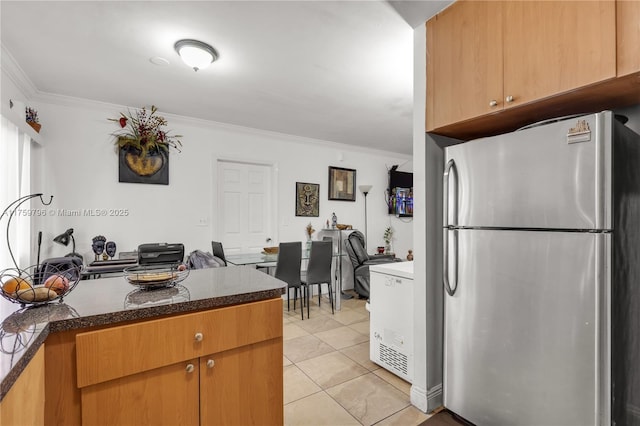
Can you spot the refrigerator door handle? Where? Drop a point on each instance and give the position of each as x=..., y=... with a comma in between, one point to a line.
x=445, y=264
x=450, y=169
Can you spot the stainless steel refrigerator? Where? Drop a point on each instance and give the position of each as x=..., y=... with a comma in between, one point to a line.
x=541, y=268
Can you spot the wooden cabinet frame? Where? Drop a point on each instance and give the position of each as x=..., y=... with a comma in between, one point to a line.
x=106, y=368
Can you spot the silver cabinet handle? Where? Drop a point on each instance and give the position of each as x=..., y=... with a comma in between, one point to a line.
x=210, y=363
x=199, y=337
x=190, y=368
x=493, y=103
x=509, y=98
x=450, y=169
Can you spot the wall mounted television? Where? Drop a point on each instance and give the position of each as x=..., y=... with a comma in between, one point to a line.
x=400, y=193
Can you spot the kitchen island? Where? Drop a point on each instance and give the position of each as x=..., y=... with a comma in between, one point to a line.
x=109, y=344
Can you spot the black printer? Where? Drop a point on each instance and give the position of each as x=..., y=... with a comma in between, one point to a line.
x=160, y=254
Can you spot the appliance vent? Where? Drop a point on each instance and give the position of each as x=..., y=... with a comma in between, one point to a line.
x=393, y=358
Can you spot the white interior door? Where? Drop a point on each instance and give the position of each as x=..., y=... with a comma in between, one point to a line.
x=245, y=206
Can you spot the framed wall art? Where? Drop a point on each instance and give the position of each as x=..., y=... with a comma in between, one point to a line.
x=307, y=199
x=153, y=168
x=342, y=184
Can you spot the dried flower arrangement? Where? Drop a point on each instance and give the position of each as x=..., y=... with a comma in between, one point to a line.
x=31, y=117
x=310, y=230
x=145, y=132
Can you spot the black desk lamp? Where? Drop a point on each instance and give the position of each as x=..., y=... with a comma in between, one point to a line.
x=64, y=239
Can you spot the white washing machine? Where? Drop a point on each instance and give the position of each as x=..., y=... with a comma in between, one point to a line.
x=391, y=318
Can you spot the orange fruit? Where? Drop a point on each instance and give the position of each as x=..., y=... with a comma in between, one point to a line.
x=14, y=284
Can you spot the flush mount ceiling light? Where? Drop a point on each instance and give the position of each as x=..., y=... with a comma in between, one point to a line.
x=196, y=54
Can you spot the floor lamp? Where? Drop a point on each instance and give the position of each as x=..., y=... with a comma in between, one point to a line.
x=365, y=189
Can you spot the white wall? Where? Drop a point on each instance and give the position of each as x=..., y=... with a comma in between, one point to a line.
x=81, y=171
x=419, y=385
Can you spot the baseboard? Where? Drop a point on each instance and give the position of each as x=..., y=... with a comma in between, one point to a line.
x=426, y=401
x=419, y=398
x=434, y=397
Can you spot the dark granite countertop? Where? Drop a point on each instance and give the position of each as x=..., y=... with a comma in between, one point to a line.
x=110, y=301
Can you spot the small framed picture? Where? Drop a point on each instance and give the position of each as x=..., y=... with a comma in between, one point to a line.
x=342, y=184
x=307, y=199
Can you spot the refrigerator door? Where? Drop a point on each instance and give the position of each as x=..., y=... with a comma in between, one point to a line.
x=526, y=331
x=556, y=175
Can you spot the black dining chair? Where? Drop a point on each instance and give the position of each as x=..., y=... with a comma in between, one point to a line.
x=288, y=270
x=218, y=251
x=319, y=271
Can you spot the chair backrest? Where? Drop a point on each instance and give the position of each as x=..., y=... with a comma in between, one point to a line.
x=199, y=259
x=218, y=251
x=355, y=248
x=288, y=264
x=319, y=268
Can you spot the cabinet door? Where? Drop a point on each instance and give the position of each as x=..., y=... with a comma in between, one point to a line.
x=464, y=63
x=24, y=403
x=628, y=36
x=552, y=47
x=163, y=396
x=243, y=386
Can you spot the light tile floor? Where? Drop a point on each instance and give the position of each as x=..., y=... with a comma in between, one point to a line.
x=328, y=377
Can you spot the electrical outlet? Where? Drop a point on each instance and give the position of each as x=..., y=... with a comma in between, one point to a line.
x=203, y=221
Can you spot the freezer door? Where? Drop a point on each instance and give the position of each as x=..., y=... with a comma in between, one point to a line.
x=551, y=176
x=526, y=331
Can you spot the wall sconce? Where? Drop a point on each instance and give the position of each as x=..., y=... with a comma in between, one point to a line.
x=64, y=239
x=196, y=54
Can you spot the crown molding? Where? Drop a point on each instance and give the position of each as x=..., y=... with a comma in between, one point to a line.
x=16, y=74
x=71, y=101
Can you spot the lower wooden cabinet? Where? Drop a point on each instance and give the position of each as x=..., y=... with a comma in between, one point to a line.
x=241, y=386
x=217, y=367
x=163, y=396
x=24, y=403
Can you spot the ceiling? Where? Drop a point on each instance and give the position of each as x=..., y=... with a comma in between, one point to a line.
x=332, y=70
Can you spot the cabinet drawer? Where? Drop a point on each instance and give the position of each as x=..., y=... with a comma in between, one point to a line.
x=120, y=351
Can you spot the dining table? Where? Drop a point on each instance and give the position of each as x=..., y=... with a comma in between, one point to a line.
x=263, y=260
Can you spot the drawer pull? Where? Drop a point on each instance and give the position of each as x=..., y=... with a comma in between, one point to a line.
x=210, y=363
x=199, y=337
x=190, y=368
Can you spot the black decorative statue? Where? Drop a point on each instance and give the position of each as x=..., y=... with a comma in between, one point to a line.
x=98, y=245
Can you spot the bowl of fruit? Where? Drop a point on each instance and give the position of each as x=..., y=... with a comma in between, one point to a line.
x=41, y=284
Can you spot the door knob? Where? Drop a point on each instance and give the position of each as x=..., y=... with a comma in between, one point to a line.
x=509, y=98
x=199, y=337
x=190, y=368
x=493, y=103
x=210, y=363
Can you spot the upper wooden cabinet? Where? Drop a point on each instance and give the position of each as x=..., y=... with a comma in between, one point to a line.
x=464, y=62
x=527, y=61
x=628, y=36
x=552, y=47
